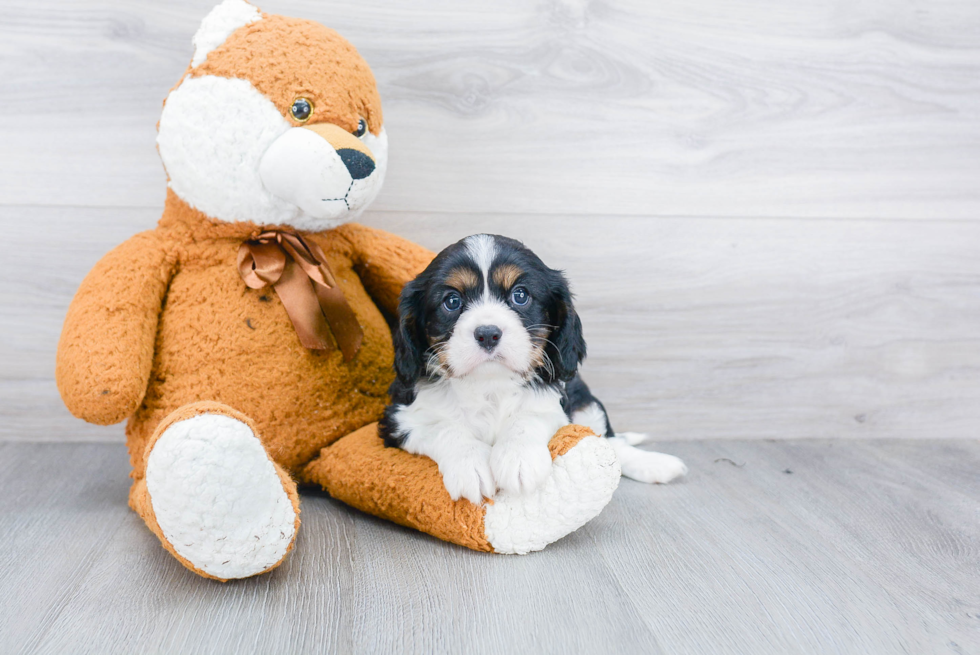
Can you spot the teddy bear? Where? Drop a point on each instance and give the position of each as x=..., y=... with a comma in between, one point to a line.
x=247, y=337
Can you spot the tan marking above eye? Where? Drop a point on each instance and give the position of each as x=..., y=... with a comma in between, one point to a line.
x=462, y=279
x=506, y=275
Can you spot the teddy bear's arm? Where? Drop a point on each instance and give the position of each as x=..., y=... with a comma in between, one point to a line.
x=385, y=262
x=106, y=347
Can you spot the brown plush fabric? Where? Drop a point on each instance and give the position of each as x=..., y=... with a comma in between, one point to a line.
x=215, y=339
x=288, y=58
x=567, y=438
x=106, y=349
x=139, y=496
x=388, y=482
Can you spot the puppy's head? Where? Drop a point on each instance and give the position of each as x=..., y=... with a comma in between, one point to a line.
x=484, y=303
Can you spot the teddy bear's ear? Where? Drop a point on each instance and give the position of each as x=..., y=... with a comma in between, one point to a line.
x=219, y=24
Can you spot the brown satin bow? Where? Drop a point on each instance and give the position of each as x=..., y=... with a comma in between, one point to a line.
x=299, y=273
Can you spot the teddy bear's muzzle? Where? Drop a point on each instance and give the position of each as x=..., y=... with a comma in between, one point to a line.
x=321, y=168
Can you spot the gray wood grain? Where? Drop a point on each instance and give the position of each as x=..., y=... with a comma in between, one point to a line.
x=829, y=546
x=805, y=547
x=697, y=328
x=745, y=108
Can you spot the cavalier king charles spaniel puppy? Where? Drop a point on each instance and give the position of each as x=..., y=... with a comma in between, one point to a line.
x=487, y=351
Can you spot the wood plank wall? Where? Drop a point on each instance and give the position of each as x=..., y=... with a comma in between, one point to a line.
x=769, y=211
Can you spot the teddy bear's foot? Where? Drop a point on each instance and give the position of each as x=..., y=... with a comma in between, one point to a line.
x=408, y=489
x=214, y=497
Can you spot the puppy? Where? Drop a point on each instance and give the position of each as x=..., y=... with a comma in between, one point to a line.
x=486, y=356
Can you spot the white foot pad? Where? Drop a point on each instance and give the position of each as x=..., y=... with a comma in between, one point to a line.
x=582, y=482
x=217, y=497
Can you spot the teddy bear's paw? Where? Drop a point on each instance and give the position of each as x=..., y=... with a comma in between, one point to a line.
x=581, y=483
x=218, y=498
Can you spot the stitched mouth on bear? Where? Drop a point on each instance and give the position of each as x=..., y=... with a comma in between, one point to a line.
x=344, y=198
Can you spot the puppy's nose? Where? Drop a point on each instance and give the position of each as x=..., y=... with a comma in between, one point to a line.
x=488, y=336
x=359, y=164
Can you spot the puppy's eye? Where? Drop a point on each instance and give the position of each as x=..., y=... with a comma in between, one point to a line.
x=301, y=110
x=520, y=296
x=361, y=127
x=452, y=302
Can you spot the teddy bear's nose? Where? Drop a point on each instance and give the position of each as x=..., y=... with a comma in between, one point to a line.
x=358, y=164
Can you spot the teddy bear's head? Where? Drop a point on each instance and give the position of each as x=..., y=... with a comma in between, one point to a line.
x=277, y=121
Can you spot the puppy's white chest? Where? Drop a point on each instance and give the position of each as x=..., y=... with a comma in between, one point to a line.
x=491, y=408
x=488, y=414
x=488, y=407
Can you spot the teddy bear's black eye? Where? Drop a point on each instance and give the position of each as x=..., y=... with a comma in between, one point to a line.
x=302, y=109
x=361, y=127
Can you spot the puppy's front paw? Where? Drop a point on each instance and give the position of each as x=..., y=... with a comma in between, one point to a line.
x=466, y=473
x=520, y=467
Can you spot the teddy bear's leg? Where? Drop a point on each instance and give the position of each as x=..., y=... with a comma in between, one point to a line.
x=213, y=495
x=408, y=489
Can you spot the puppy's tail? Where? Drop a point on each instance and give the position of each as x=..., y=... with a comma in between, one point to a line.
x=634, y=438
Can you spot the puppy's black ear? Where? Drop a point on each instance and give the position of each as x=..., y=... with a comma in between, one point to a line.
x=567, y=345
x=409, y=338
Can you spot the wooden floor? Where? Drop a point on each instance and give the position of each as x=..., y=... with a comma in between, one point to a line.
x=767, y=547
